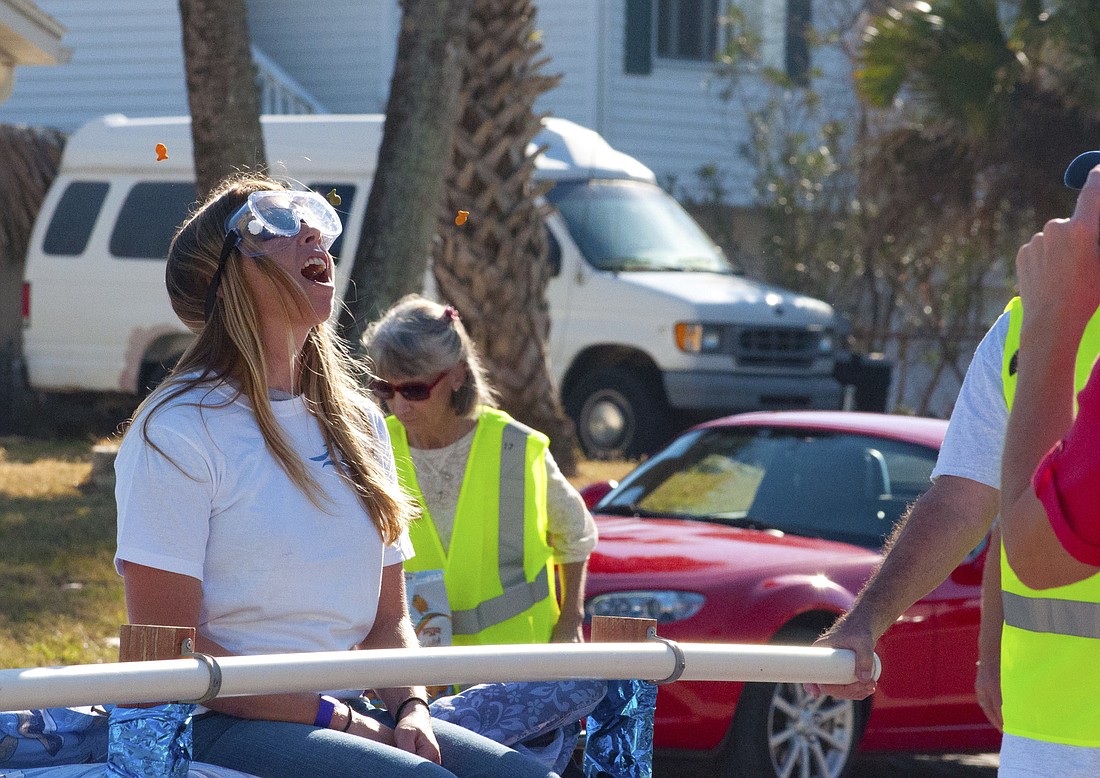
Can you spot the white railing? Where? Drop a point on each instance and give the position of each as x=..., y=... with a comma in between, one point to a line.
x=279, y=92
x=192, y=679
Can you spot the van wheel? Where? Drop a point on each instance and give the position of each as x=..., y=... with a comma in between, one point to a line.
x=779, y=730
x=154, y=373
x=619, y=415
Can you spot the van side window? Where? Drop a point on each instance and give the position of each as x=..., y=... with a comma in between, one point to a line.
x=149, y=218
x=346, y=193
x=74, y=218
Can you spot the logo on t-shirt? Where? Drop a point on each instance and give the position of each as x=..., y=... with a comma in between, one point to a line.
x=324, y=459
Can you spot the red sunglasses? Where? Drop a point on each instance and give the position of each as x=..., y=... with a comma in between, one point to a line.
x=414, y=391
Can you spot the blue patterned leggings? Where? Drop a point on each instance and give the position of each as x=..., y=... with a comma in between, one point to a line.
x=539, y=718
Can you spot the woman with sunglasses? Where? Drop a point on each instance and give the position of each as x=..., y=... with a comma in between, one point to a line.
x=257, y=500
x=498, y=518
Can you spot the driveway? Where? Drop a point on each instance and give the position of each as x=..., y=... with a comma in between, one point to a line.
x=922, y=766
x=874, y=766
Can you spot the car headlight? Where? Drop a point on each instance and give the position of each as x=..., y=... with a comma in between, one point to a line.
x=825, y=343
x=664, y=606
x=697, y=338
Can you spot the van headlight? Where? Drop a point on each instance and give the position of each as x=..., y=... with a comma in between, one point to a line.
x=697, y=338
x=663, y=605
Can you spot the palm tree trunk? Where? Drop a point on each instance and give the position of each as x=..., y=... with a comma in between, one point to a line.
x=494, y=268
x=408, y=185
x=29, y=159
x=221, y=90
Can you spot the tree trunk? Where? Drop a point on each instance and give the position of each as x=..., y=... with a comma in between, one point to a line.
x=221, y=90
x=494, y=269
x=408, y=185
x=29, y=159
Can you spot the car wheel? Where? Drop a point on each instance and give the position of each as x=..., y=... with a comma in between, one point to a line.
x=619, y=415
x=780, y=731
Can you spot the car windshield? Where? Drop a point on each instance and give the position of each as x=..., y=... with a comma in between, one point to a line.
x=832, y=485
x=632, y=225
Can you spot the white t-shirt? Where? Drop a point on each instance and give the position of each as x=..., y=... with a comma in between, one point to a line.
x=972, y=449
x=976, y=433
x=279, y=574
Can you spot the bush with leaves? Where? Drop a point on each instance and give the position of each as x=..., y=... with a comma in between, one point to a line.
x=907, y=216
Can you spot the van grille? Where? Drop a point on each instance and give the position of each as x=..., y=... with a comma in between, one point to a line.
x=776, y=347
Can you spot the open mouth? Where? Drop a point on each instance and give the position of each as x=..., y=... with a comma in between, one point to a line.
x=316, y=269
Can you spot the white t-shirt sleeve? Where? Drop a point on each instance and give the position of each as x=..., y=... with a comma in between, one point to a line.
x=572, y=528
x=402, y=550
x=164, y=505
x=975, y=435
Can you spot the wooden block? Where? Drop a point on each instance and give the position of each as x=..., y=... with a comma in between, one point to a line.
x=620, y=629
x=146, y=642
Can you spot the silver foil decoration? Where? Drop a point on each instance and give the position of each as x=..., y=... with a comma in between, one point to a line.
x=620, y=732
x=150, y=742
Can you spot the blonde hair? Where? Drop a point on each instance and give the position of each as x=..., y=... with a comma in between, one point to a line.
x=420, y=337
x=228, y=349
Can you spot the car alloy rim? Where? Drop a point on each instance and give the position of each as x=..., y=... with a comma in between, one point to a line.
x=807, y=737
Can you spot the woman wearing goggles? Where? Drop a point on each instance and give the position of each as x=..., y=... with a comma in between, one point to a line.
x=274, y=223
x=258, y=502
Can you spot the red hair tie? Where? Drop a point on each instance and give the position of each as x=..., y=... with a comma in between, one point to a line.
x=450, y=314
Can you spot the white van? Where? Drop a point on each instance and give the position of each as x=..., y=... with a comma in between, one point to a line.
x=650, y=323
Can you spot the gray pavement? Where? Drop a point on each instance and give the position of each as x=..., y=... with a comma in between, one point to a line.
x=873, y=766
x=924, y=766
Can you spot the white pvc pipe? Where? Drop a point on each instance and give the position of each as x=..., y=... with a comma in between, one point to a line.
x=185, y=679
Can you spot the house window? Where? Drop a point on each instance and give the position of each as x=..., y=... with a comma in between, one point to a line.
x=798, y=41
x=687, y=29
x=691, y=31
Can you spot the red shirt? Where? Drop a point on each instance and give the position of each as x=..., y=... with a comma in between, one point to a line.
x=1067, y=480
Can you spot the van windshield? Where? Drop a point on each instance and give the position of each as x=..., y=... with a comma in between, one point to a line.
x=632, y=225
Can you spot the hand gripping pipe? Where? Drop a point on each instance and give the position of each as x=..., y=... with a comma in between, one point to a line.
x=127, y=683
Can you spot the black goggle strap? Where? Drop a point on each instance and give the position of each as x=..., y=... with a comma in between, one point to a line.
x=216, y=281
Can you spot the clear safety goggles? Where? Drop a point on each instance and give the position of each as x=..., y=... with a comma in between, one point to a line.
x=265, y=220
x=275, y=215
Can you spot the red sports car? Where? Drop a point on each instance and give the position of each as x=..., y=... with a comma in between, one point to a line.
x=761, y=528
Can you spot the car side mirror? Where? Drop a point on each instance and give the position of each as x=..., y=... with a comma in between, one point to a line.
x=969, y=573
x=593, y=493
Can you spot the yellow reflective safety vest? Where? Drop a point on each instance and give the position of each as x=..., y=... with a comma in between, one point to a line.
x=498, y=570
x=1050, y=643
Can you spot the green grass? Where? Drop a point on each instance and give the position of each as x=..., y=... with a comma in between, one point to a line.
x=61, y=602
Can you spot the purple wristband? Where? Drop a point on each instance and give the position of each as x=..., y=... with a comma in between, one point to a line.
x=325, y=708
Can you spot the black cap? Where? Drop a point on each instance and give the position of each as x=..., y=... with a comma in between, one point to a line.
x=1078, y=170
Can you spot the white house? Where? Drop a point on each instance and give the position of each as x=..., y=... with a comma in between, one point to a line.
x=28, y=36
x=640, y=72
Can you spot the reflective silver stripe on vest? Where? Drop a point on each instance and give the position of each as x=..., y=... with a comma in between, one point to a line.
x=1055, y=617
x=512, y=506
x=519, y=595
x=513, y=602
